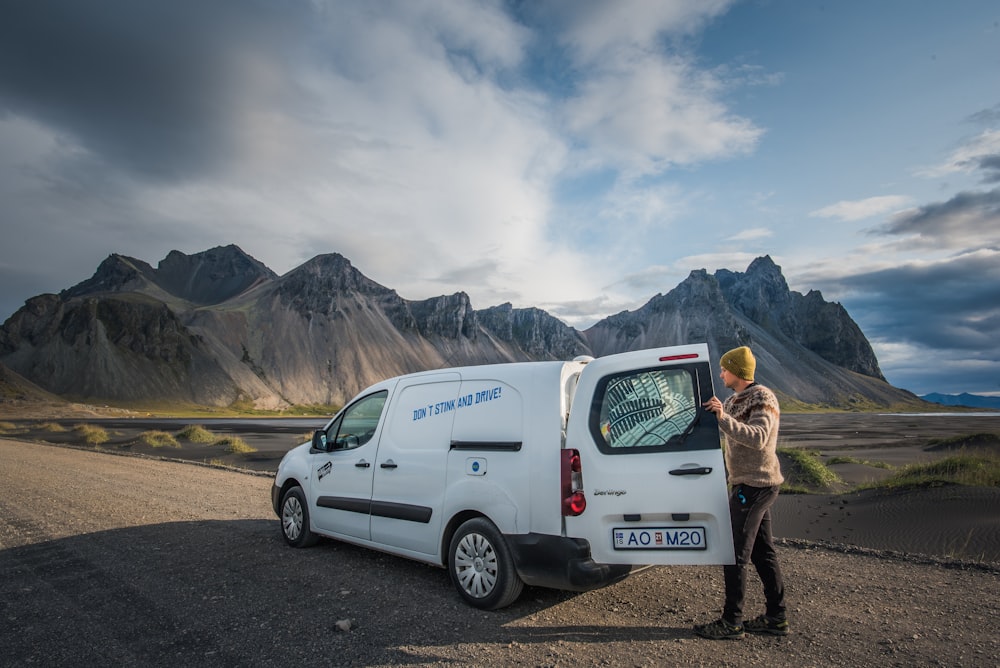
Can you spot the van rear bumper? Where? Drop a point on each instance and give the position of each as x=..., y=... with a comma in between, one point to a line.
x=543, y=560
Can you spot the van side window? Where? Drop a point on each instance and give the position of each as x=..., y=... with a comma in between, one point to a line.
x=357, y=424
x=644, y=410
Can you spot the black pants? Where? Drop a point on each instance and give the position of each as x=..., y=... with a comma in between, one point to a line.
x=750, y=509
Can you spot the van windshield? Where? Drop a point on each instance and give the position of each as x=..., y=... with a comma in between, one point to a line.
x=650, y=409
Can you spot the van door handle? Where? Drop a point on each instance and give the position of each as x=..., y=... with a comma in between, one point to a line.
x=699, y=470
x=362, y=464
x=388, y=464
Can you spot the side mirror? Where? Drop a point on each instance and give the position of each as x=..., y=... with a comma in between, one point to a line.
x=319, y=440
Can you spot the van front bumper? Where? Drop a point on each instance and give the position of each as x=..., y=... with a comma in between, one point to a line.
x=558, y=562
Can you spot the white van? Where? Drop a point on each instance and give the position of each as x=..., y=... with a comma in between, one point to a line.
x=554, y=474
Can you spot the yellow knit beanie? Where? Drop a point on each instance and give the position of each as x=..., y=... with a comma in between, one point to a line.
x=740, y=361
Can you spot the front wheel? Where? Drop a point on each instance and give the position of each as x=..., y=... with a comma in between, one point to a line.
x=481, y=566
x=295, y=519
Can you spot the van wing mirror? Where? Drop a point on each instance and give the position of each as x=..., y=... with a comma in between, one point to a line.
x=319, y=440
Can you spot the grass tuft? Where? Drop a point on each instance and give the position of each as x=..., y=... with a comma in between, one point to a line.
x=195, y=433
x=973, y=468
x=854, y=460
x=960, y=442
x=159, y=439
x=92, y=435
x=234, y=445
x=809, y=471
x=7, y=426
x=53, y=427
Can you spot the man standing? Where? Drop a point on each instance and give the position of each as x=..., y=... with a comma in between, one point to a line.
x=749, y=421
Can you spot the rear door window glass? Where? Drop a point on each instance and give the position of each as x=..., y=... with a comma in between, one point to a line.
x=648, y=410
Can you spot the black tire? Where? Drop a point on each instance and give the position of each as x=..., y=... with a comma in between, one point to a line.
x=481, y=566
x=295, y=519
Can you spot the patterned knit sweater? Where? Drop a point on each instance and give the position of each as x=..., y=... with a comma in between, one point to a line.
x=750, y=425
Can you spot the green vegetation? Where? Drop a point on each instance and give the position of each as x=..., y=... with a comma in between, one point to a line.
x=975, y=462
x=243, y=405
x=809, y=471
x=236, y=409
x=234, y=445
x=980, y=440
x=976, y=468
x=7, y=426
x=859, y=404
x=159, y=439
x=309, y=410
x=195, y=433
x=855, y=460
x=53, y=427
x=92, y=435
x=787, y=488
x=246, y=408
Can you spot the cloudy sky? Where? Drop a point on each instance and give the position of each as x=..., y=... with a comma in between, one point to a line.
x=578, y=156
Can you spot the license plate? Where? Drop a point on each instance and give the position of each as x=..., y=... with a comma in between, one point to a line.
x=659, y=538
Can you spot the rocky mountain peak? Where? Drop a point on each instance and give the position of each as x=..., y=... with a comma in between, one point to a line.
x=534, y=331
x=335, y=273
x=449, y=316
x=698, y=289
x=212, y=276
x=205, y=278
x=320, y=283
x=761, y=293
x=117, y=273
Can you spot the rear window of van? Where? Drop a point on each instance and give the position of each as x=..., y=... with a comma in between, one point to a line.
x=649, y=410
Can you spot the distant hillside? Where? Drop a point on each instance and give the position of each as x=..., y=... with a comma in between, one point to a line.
x=965, y=399
x=218, y=327
x=13, y=387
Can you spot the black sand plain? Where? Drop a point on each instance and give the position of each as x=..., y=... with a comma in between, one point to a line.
x=951, y=522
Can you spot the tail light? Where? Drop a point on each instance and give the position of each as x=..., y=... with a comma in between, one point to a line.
x=573, y=500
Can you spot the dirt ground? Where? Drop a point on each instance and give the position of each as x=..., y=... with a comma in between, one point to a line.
x=110, y=560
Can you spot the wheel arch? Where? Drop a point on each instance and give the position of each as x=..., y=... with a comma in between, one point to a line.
x=285, y=486
x=457, y=520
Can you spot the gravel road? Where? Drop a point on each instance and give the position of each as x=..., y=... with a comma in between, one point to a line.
x=108, y=560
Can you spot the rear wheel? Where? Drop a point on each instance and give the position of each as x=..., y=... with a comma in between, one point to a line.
x=295, y=519
x=481, y=566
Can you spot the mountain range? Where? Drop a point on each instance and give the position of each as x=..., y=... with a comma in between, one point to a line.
x=219, y=328
x=964, y=399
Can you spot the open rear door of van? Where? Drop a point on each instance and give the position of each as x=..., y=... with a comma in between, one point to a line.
x=650, y=465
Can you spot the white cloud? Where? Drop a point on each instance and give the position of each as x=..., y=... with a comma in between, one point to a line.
x=596, y=29
x=966, y=159
x=640, y=103
x=860, y=209
x=650, y=113
x=752, y=234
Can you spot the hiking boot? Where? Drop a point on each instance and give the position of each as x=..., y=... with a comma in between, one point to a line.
x=720, y=629
x=765, y=624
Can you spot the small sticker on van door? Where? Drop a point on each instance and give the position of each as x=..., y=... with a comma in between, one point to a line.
x=475, y=466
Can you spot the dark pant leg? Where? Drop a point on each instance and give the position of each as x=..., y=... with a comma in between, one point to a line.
x=748, y=506
x=765, y=559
